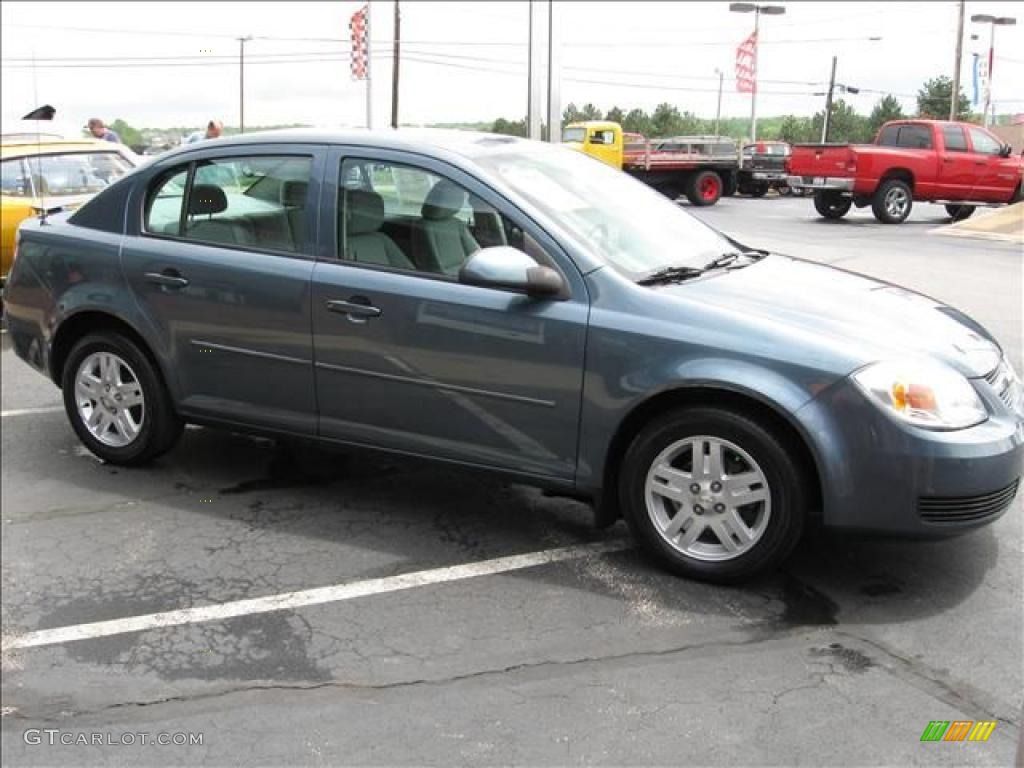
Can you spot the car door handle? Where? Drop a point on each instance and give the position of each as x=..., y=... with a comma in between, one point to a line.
x=169, y=278
x=354, y=309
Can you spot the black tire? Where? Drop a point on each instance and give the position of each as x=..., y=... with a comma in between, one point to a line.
x=729, y=185
x=1018, y=195
x=667, y=190
x=759, y=190
x=831, y=205
x=784, y=475
x=705, y=188
x=960, y=212
x=784, y=190
x=160, y=426
x=882, y=208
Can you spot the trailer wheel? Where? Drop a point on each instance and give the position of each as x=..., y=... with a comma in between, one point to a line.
x=705, y=188
x=831, y=205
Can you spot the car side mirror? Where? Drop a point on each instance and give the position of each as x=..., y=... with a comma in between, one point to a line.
x=1005, y=151
x=508, y=268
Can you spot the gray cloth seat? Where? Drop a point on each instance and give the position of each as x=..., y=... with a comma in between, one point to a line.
x=206, y=200
x=441, y=242
x=364, y=242
x=293, y=200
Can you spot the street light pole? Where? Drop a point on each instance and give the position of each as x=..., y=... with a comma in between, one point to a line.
x=718, y=112
x=956, y=63
x=396, y=60
x=770, y=10
x=241, y=82
x=993, y=22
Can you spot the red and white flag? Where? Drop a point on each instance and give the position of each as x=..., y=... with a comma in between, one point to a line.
x=357, y=26
x=746, y=64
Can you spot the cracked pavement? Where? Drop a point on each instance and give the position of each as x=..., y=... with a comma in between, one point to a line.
x=843, y=658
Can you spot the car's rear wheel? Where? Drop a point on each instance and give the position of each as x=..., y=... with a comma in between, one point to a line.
x=116, y=400
x=759, y=190
x=960, y=212
x=705, y=188
x=892, y=201
x=831, y=205
x=713, y=494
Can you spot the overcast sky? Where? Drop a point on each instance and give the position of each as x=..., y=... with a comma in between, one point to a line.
x=467, y=61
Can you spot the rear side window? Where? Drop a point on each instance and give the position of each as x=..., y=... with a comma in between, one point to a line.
x=953, y=136
x=15, y=180
x=889, y=136
x=163, y=208
x=983, y=143
x=915, y=137
x=257, y=203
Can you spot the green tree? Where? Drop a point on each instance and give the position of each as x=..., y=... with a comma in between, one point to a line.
x=666, y=120
x=616, y=115
x=590, y=112
x=934, y=97
x=571, y=114
x=888, y=108
x=637, y=121
x=509, y=127
x=131, y=137
x=795, y=129
x=846, y=126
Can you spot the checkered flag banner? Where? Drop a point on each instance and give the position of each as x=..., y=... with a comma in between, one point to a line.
x=746, y=61
x=357, y=26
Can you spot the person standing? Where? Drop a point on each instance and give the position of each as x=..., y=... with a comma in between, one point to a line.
x=214, y=129
x=98, y=129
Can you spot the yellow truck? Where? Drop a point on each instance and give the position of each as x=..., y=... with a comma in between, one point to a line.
x=704, y=168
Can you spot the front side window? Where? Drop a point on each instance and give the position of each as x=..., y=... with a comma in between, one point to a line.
x=618, y=219
x=602, y=137
x=953, y=136
x=254, y=202
x=403, y=217
x=76, y=173
x=983, y=143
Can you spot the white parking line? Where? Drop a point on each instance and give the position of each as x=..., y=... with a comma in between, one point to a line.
x=318, y=596
x=27, y=411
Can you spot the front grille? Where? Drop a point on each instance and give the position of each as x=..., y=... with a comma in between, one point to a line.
x=1004, y=382
x=965, y=509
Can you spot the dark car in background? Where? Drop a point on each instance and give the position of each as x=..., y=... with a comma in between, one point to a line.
x=763, y=167
x=519, y=308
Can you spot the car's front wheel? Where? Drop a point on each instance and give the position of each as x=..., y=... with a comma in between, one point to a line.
x=713, y=494
x=116, y=400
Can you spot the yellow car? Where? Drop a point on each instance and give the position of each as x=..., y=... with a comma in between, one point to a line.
x=52, y=173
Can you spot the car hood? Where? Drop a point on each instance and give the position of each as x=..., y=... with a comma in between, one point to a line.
x=869, y=319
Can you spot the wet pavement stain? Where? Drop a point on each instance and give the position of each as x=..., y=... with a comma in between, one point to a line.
x=284, y=470
x=851, y=659
x=805, y=606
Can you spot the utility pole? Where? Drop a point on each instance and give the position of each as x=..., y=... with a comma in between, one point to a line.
x=828, y=103
x=241, y=82
x=993, y=22
x=718, y=112
x=956, y=64
x=533, y=92
x=395, y=62
x=554, y=82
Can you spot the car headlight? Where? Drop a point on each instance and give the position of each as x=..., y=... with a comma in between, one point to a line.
x=924, y=394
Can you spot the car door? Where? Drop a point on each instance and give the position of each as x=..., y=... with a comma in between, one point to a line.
x=997, y=176
x=224, y=281
x=957, y=174
x=410, y=359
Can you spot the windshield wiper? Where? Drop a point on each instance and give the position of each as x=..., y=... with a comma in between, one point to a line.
x=669, y=275
x=727, y=259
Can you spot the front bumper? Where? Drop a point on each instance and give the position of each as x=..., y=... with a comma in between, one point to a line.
x=823, y=183
x=768, y=175
x=882, y=476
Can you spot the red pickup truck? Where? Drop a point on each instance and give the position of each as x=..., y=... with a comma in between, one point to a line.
x=933, y=161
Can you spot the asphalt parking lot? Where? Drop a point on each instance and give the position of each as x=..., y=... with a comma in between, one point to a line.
x=544, y=642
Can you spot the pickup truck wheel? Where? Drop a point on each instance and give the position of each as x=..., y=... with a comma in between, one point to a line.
x=705, y=188
x=892, y=201
x=960, y=212
x=713, y=494
x=116, y=400
x=831, y=205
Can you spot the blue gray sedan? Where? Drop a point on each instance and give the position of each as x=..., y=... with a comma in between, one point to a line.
x=523, y=309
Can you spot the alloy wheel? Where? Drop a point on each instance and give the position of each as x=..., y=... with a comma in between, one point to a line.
x=109, y=399
x=708, y=498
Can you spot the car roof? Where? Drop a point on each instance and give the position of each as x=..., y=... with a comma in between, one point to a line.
x=465, y=143
x=22, y=145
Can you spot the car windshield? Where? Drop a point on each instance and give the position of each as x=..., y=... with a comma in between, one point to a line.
x=74, y=173
x=572, y=134
x=620, y=220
